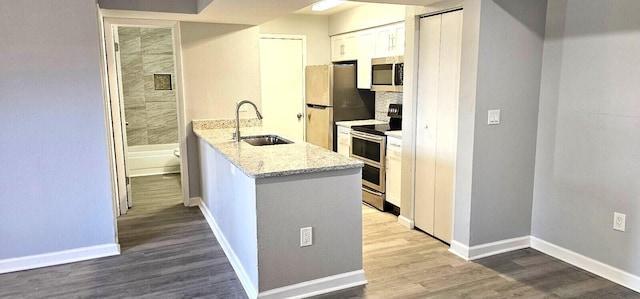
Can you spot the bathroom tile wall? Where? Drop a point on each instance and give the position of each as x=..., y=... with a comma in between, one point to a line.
x=151, y=113
x=383, y=99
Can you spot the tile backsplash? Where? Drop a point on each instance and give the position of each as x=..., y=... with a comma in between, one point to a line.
x=383, y=99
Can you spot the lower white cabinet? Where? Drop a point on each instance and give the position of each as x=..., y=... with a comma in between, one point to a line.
x=393, y=170
x=344, y=141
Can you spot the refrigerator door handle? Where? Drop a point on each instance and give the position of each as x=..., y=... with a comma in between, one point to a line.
x=314, y=106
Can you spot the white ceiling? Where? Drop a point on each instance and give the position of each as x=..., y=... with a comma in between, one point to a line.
x=344, y=6
x=249, y=12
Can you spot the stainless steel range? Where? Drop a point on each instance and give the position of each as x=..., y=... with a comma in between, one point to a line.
x=368, y=144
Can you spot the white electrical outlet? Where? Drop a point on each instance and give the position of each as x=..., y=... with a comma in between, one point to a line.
x=619, y=221
x=306, y=236
x=493, y=117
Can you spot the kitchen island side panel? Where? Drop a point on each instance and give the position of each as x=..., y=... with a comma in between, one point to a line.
x=329, y=202
x=230, y=197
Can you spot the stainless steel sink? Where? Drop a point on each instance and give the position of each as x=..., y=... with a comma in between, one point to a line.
x=261, y=140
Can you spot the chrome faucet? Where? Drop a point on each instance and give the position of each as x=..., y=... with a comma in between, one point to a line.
x=237, y=133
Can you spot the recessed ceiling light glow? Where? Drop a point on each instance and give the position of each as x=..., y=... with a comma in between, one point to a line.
x=326, y=4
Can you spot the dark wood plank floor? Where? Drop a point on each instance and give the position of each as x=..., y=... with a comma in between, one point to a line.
x=168, y=251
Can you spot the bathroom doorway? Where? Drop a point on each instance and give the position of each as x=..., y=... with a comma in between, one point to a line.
x=146, y=104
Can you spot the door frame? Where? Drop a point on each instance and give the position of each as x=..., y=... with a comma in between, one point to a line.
x=302, y=38
x=114, y=122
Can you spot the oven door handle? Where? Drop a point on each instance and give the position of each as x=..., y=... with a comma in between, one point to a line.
x=372, y=192
x=367, y=137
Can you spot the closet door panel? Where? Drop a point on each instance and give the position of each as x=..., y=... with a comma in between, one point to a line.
x=426, y=121
x=448, y=89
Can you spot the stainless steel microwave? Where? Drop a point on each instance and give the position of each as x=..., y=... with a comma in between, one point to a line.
x=387, y=73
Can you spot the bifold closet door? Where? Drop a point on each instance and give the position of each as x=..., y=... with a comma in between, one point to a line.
x=426, y=121
x=436, y=135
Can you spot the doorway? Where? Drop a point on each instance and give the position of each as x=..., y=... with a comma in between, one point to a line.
x=146, y=104
x=282, y=63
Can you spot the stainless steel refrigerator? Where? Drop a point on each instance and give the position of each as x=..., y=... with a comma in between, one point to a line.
x=331, y=95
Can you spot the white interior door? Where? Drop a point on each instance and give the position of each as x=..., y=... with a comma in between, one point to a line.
x=450, y=48
x=282, y=76
x=437, y=121
x=117, y=117
x=426, y=121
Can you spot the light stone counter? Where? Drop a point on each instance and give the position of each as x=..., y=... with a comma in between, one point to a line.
x=257, y=199
x=397, y=134
x=272, y=160
x=362, y=122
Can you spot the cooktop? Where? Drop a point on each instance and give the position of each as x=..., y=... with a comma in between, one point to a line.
x=394, y=124
x=375, y=129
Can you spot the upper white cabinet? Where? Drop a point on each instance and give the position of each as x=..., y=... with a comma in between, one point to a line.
x=366, y=44
x=365, y=41
x=344, y=47
x=389, y=40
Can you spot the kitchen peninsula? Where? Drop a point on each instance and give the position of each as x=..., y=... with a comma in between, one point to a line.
x=258, y=198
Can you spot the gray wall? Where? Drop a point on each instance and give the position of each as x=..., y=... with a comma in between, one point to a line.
x=314, y=28
x=588, y=156
x=221, y=66
x=182, y=6
x=150, y=113
x=510, y=45
x=55, y=191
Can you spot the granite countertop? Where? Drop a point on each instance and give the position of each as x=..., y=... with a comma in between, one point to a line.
x=273, y=160
x=397, y=134
x=362, y=122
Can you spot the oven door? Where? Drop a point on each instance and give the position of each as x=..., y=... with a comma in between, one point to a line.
x=375, y=199
x=373, y=176
x=368, y=147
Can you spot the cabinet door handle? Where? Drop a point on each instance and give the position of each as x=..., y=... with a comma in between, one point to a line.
x=299, y=115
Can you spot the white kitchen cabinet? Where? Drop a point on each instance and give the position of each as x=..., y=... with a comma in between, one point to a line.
x=357, y=46
x=393, y=170
x=389, y=40
x=436, y=121
x=343, y=47
x=344, y=141
x=365, y=42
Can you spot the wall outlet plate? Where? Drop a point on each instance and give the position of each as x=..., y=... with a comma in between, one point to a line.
x=306, y=236
x=619, y=221
x=493, y=117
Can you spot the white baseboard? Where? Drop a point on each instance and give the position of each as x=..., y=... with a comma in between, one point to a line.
x=249, y=288
x=317, y=286
x=598, y=268
x=58, y=258
x=459, y=249
x=301, y=290
x=195, y=201
x=406, y=222
x=153, y=171
x=488, y=249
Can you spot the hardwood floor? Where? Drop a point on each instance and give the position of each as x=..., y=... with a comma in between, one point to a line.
x=168, y=251
x=402, y=263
